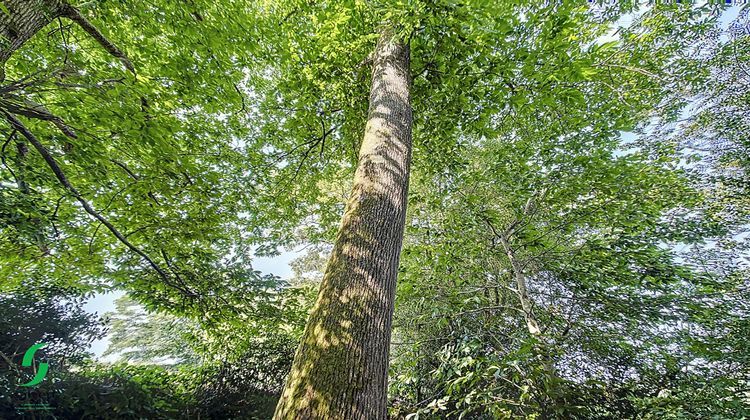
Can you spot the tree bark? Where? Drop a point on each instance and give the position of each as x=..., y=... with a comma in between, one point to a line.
x=340, y=370
x=24, y=18
x=20, y=20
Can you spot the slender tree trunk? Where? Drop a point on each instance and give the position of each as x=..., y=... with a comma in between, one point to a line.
x=523, y=295
x=340, y=370
x=543, y=344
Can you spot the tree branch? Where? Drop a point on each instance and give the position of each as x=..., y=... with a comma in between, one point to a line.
x=31, y=109
x=75, y=15
x=57, y=170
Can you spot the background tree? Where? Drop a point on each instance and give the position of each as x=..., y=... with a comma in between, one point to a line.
x=140, y=337
x=615, y=301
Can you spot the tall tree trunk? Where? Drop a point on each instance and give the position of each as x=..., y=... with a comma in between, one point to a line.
x=340, y=370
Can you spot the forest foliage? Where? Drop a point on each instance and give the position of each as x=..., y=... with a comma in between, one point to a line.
x=576, y=240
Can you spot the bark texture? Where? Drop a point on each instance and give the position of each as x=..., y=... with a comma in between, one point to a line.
x=340, y=370
x=22, y=19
